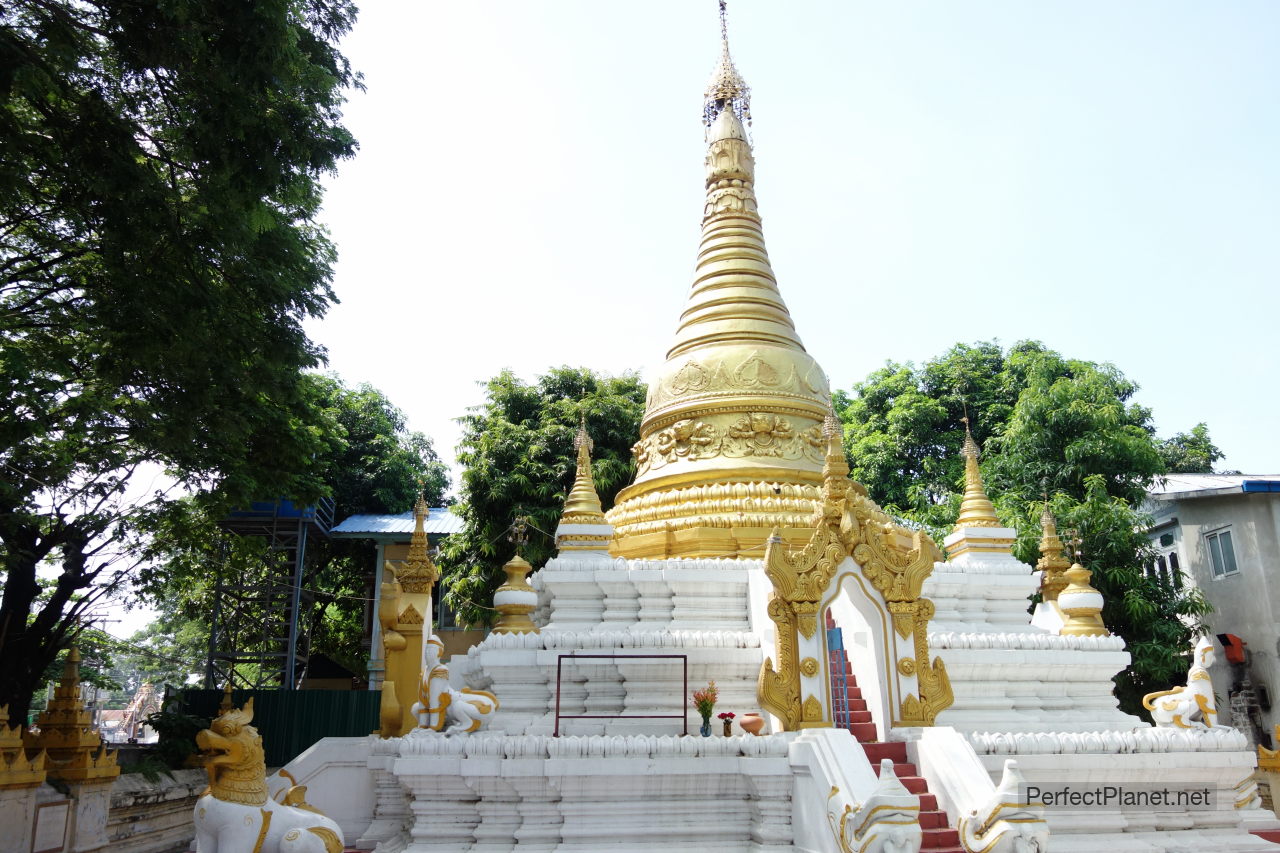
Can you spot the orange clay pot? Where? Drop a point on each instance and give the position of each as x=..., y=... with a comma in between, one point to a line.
x=751, y=723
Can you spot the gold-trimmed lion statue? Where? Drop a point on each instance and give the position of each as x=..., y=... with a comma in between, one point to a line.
x=1191, y=706
x=235, y=815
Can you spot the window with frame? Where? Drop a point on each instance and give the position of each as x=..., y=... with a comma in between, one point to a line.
x=1222, y=553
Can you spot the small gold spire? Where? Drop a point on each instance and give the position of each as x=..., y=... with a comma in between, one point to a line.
x=582, y=506
x=835, y=468
x=418, y=572
x=226, y=705
x=1051, y=563
x=67, y=734
x=976, y=509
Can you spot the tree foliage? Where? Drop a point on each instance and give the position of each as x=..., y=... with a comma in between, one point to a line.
x=158, y=254
x=373, y=464
x=1049, y=426
x=1190, y=452
x=518, y=458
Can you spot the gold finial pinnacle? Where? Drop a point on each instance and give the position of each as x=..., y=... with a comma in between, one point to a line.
x=582, y=442
x=726, y=89
x=970, y=448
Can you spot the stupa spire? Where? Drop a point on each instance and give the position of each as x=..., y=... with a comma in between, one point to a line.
x=582, y=506
x=975, y=509
x=418, y=573
x=583, y=530
x=731, y=441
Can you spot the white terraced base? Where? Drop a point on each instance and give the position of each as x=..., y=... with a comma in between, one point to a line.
x=490, y=792
x=1218, y=760
x=1021, y=692
x=1008, y=675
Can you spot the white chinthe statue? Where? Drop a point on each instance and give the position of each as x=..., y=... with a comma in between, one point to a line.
x=1190, y=706
x=236, y=815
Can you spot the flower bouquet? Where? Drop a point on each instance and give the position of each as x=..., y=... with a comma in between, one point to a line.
x=704, y=701
x=727, y=719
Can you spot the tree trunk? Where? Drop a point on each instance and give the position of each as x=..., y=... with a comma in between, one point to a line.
x=29, y=645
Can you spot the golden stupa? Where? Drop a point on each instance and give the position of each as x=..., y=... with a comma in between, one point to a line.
x=731, y=444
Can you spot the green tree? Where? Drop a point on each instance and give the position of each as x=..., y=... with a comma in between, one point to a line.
x=158, y=254
x=373, y=464
x=1048, y=425
x=1190, y=453
x=518, y=459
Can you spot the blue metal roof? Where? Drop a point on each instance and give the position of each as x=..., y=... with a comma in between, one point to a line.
x=440, y=521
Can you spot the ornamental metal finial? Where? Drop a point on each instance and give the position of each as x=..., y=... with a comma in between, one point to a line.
x=726, y=89
x=518, y=533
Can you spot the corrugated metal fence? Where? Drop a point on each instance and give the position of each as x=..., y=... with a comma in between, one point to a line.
x=291, y=720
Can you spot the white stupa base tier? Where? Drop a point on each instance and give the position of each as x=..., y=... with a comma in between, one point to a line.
x=1007, y=674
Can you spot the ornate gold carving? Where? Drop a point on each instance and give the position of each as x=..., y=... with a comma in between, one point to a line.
x=809, y=666
x=417, y=574
x=907, y=666
x=847, y=521
x=904, y=617
x=410, y=616
x=761, y=434
x=812, y=710
x=687, y=439
x=753, y=435
x=16, y=770
x=934, y=687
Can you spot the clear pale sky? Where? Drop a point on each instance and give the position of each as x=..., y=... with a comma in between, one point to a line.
x=1101, y=176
